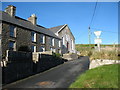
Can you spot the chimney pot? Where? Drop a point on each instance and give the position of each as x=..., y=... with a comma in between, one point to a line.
x=33, y=19
x=11, y=10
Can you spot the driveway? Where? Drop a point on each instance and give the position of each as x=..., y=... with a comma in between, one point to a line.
x=58, y=77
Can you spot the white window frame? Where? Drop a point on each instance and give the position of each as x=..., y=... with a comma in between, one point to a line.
x=63, y=40
x=43, y=48
x=14, y=45
x=42, y=36
x=59, y=43
x=43, y=39
x=54, y=50
x=34, y=36
x=14, y=31
x=34, y=48
x=51, y=49
x=53, y=42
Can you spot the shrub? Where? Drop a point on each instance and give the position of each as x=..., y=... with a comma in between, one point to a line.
x=56, y=54
x=24, y=49
x=95, y=54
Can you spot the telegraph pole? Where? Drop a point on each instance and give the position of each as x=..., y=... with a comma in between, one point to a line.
x=89, y=37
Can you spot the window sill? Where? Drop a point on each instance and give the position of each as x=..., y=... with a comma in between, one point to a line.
x=42, y=43
x=34, y=42
x=12, y=37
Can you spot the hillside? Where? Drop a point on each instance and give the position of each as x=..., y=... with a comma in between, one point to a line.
x=107, y=51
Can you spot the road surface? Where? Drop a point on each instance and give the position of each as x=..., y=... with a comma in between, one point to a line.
x=58, y=77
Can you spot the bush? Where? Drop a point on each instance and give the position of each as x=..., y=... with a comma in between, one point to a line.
x=89, y=53
x=95, y=54
x=24, y=49
x=56, y=54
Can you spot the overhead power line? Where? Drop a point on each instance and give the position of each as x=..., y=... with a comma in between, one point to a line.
x=93, y=14
x=103, y=30
x=89, y=32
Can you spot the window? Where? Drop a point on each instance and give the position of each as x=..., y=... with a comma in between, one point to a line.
x=42, y=49
x=59, y=43
x=11, y=45
x=53, y=42
x=42, y=39
x=54, y=50
x=33, y=48
x=51, y=49
x=63, y=40
x=33, y=34
x=12, y=31
x=50, y=41
x=59, y=51
x=72, y=44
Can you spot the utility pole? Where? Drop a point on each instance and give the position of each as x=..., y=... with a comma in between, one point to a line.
x=89, y=36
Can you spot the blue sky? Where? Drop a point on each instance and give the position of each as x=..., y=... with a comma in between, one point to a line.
x=77, y=15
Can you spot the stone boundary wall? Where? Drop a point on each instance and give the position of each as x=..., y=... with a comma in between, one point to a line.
x=99, y=62
x=13, y=55
x=17, y=65
x=20, y=65
x=70, y=56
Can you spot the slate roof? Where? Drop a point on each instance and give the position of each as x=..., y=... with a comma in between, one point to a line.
x=26, y=24
x=55, y=29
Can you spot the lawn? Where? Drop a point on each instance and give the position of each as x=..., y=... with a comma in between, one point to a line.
x=100, y=77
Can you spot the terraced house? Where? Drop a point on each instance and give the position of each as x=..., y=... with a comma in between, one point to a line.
x=17, y=32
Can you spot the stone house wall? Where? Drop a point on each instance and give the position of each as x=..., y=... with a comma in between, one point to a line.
x=5, y=38
x=63, y=33
x=23, y=37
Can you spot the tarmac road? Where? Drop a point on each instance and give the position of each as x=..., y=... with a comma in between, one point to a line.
x=58, y=77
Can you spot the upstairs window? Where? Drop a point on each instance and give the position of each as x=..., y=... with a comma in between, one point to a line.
x=50, y=40
x=33, y=34
x=12, y=31
x=12, y=45
x=42, y=39
x=63, y=40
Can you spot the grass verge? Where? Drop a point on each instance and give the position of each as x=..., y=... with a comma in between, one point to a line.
x=100, y=77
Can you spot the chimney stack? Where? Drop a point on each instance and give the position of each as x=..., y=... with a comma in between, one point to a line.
x=33, y=19
x=11, y=10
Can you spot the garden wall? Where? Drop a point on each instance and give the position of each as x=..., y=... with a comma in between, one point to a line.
x=20, y=65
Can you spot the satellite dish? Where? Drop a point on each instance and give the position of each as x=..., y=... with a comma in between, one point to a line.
x=97, y=33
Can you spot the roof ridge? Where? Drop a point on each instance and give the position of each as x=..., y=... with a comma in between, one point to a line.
x=26, y=24
x=56, y=26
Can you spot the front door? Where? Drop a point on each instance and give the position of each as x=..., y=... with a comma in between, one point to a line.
x=67, y=45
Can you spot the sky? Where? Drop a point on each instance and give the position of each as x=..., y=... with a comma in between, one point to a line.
x=77, y=15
